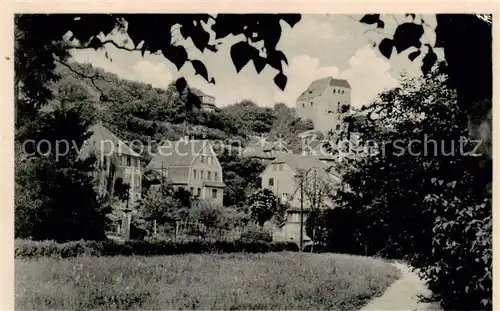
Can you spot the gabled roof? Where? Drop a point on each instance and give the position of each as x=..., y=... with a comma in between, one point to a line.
x=177, y=153
x=214, y=184
x=299, y=162
x=303, y=163
x=258, y=148
x=105, y=141
x=318, y=86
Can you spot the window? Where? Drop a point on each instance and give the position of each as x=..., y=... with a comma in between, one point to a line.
x=209, y=175
x=338, y=106
x=214, y=193
x=202, y=159
x=311, y=104
x=280, y=167
x=275, y=167
x=209, y=159
x=191, y=189
x=124, y=160
x=128, y=161
x=198, y=190
x=271, y=182
x=216, y=176
x=303, y=105
x=333, y=91
x=202, y=174
x=194, y=174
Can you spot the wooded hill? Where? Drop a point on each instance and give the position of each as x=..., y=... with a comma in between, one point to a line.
x=134, y=110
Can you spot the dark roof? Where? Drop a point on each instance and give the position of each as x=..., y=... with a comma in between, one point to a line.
x=257, y=148
x=300, y=162
x=177, y=153
x=104, y=140
x=213, y=183
x=318, y=86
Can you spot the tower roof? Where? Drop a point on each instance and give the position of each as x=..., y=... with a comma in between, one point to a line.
x=318, y=86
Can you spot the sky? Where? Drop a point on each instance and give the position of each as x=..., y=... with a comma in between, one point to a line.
x=318, y=46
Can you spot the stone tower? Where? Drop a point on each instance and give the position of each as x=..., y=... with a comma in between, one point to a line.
x=325, y=102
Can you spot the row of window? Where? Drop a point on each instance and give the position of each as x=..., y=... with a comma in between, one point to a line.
x=340, y=91
x=209, y=175
x=278, y=167
x=123, y=161
x=207, y=159
x=198, y=192
x=312, y=104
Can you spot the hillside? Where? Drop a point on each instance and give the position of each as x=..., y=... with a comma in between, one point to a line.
x=138, y=111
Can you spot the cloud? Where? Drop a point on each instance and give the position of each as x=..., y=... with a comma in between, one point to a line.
x=367, y=73
x=301, y=72
x=157, y=74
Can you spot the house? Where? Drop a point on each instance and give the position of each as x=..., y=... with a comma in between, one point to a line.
x=291, y=175
x=263, y=150
x=207, y=101
x=325, y=102
x=190, y=164
x=324, y=150
x=115, y=159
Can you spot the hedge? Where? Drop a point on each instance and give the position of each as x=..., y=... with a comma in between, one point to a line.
x=36, y=249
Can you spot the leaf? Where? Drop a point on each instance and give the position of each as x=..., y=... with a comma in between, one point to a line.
x=408, y=35
x=275, y=59
x=95, y=43
x=428, y=61
x=200, y=68
x=176, y=54
x=259, y=64
x=413, y=55
x=180, y=84
x=280, y=79
x=370, y=19
x=385, y=47
x=291, y=19
x=241, y=53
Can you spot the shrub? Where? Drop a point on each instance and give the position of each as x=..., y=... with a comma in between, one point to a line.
x=253, y=232
x=37, y=249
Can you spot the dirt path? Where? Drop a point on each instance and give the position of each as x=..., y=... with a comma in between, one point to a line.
x=403, y=294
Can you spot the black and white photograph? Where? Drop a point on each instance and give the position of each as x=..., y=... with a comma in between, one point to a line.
x=174, y=160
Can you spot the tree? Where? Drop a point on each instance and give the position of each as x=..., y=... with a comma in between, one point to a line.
x=164, y=204
x=263, y=206
x=251, y=118
x=241, y=176
x=40, y=43
x=319, y=193
x=426, y=202
x=470, y=70
x=55, y=188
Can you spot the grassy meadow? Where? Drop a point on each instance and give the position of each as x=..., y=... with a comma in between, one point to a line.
x=202, y=281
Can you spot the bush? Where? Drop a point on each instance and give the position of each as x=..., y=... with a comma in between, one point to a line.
x=36, y=249
x=253, y=232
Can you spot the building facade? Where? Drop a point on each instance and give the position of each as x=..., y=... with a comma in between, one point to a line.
x=114, y=160
x=193, y=165
x=294, y=179
x=325, y=102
